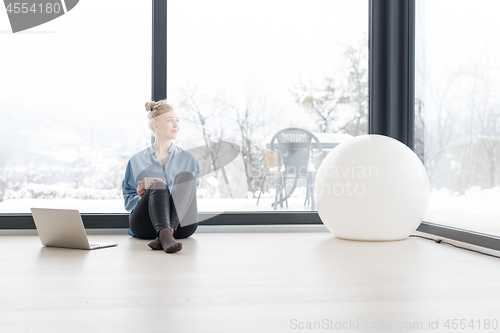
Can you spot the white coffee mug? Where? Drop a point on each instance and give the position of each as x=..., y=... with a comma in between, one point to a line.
x=148, y=181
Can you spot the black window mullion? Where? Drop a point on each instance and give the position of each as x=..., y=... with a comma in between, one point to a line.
x=159, y=51
x=392, y=69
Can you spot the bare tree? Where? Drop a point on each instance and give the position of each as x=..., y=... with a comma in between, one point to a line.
x=254, y=120
x=341, y=103
x=464, y=123
x=357, y=92
x=203, y=112
x=322, y=103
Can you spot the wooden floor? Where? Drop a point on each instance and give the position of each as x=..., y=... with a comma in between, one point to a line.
x=246, y=282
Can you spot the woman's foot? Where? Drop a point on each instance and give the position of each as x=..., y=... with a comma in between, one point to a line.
x=156, y=244
x=168, y=242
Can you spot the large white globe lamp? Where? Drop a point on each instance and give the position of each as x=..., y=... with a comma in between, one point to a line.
x=371, y=188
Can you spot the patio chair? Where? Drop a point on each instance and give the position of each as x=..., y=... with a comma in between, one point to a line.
x=271, y=169
x=295, y=152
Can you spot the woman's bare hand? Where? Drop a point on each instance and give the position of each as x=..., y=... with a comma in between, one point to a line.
x=140, y=188
x=158, y=179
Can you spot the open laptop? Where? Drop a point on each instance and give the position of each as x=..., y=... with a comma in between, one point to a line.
x=63, y=228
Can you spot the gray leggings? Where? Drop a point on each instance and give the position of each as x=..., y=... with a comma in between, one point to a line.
x=156, y=209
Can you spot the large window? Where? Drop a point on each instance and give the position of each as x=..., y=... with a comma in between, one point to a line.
x=458, y=110
x=240, y=71
x=73, y=95
x=72, y=107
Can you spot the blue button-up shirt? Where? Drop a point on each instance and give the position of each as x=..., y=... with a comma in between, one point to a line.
x=144, y=164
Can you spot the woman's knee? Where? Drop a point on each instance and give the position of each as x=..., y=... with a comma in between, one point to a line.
x=158, y=185
x=183, y=176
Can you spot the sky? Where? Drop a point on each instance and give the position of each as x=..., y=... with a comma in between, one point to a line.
x=457, y=61
x=87, y=71
x=272, y=44
x=90, y=70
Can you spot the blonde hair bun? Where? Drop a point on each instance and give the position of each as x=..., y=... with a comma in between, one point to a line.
x=150, y=106
x=156, y=109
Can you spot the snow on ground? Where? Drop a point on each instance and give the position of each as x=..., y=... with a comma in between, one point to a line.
x=476, y=210
x=88, y=200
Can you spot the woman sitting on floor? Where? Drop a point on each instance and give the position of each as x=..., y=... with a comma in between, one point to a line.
x=153, y=214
